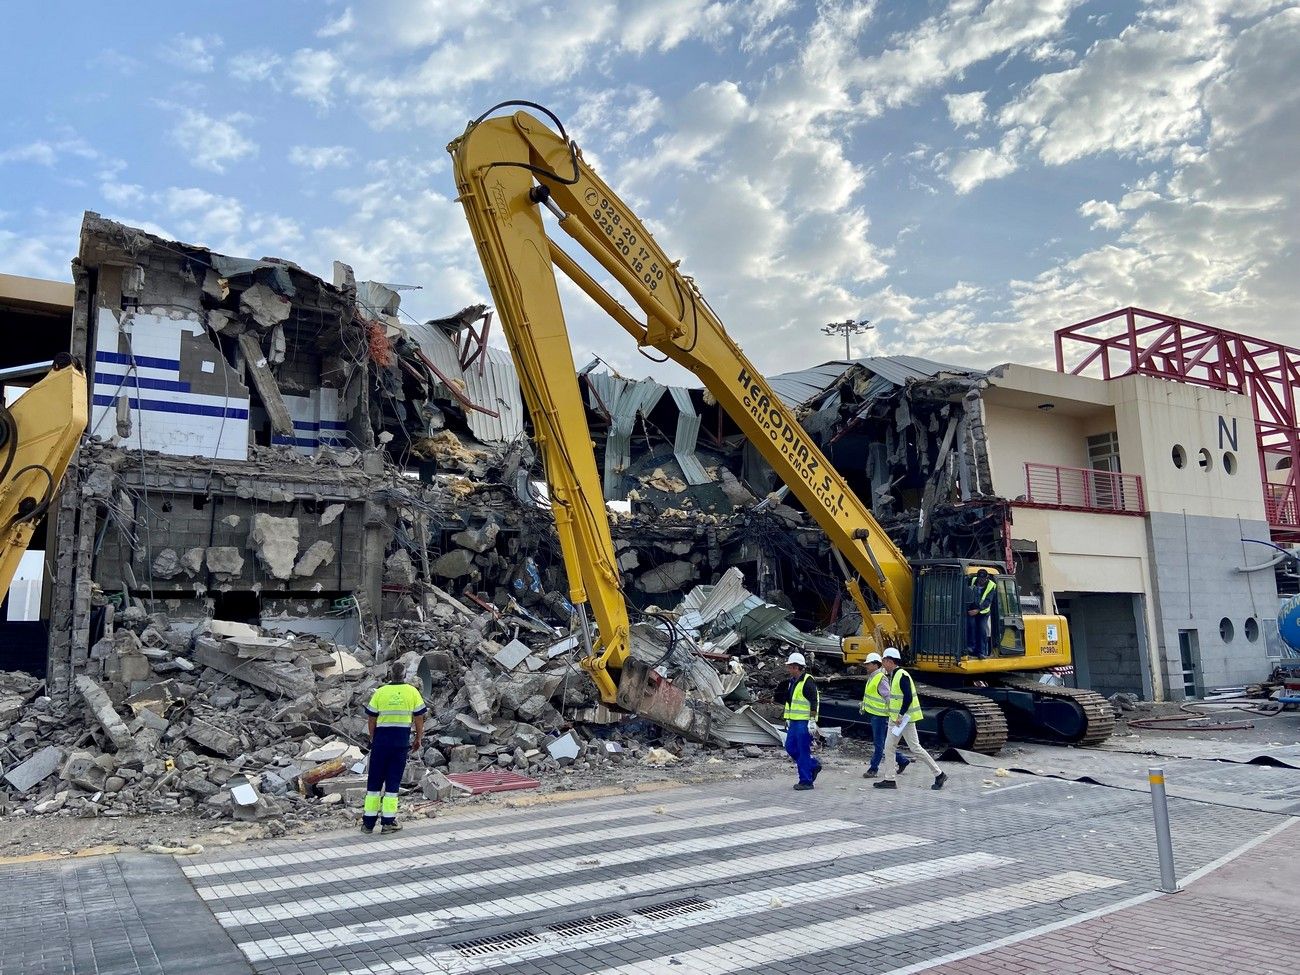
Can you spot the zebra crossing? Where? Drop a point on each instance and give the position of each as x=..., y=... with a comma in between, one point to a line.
x=694, y=883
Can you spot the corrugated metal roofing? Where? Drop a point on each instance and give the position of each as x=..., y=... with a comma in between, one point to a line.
x=497, y=388
x=798, y=387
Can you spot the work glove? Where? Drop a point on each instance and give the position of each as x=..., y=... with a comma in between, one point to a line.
x=812, y=728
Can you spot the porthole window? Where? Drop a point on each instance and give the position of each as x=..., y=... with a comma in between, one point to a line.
x=1252, y=629
x=1226, y=631
x=1206, y=460
x=1180, y=456
x=1230, y=462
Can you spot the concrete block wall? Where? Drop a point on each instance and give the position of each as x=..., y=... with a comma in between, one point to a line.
x=174, y=520
x=1194, y=560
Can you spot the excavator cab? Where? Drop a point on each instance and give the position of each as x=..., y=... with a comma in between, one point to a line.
x=943, y=592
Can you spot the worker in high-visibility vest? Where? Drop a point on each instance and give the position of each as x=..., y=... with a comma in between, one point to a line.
x=802, y=705
x=875, y=705
x=904, y=713
x=980, y=614
x=396, y=720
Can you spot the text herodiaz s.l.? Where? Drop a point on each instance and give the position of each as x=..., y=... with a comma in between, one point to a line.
x=790, y=439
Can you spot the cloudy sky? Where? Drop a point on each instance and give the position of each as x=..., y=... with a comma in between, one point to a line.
x=968, y=174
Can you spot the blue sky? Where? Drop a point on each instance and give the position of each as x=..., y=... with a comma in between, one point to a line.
x=968, y=174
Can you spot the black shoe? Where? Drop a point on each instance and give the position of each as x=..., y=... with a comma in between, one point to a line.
x=870, y=773
x=817, y=770
x=802, y=786
x=391, y=828
x=887, y=784
x=367, y=829
x=939, y=780
x=902, y=767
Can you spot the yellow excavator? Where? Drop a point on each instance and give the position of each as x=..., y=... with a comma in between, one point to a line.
x=38, y=436
x=509, y=169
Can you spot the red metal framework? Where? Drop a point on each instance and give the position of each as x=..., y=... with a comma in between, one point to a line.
x=1083, y=489
x=1159, y=345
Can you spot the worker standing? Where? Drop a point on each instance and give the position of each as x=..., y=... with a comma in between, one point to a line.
x=875, y=705
x=396, y=709
x=904, y=713
x=802, y=705
x=980, y=614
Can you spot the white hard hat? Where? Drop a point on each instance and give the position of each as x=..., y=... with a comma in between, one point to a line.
x=796, y=658
x=892, y=654
x=872, y=658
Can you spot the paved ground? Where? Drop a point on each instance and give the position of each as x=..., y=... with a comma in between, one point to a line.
x=741, y=877
x=1253, y=902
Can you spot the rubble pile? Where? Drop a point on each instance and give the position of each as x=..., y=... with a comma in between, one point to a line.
x=226, y=719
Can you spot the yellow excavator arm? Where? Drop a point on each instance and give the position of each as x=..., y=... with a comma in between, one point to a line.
x=508, y=169
x=38, y=436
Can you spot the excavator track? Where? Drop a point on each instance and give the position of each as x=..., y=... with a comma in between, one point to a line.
x=958, y=710
x=1099, y=716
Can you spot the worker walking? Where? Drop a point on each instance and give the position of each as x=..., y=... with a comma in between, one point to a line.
x=802, y=706
x=980, y=614
x=904, y=713
x=396, y=709
x=875, y=705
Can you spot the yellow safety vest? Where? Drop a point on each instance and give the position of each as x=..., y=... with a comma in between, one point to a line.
x=798, y=708
x=872, y=703
x=395, y=704
x=988, y=588
x=896, y=696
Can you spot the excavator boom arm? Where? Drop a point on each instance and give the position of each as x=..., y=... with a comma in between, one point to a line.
x=508, y=168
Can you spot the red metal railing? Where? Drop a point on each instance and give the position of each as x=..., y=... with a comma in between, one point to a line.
x=1083, y=489
x=1280, y=502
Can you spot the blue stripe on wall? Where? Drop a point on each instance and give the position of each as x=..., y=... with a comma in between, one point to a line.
x=165, y=406
x=114, y=381
x=139, y=360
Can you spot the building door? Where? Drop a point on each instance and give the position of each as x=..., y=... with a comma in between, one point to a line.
x=1107, y=641
x=1103, y=457
x=1189, y=655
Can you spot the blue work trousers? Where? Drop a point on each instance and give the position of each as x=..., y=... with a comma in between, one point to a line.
x=798, y=745
x=977, y=635
x=387, y=763
x=880, y=728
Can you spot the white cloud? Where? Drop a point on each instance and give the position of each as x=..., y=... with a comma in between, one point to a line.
x=1084, y=110
x=41, y=153
x=1213, y=241
x=978, y=166
x=212, y=143
x=254, y=67
x=967, y=108
x=1103, y=214
x=190, y=53
x=122, y=194
x=320, y=157
x=945, y=45
x=311, y=75
x=664, y=24
x=342, y=24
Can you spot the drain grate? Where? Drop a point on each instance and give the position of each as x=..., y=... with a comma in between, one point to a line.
x=590, y=925
x=687, y=905
x=497, y=942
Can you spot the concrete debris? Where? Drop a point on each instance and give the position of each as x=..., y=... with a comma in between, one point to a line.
x=225, y=560
x=275, y=543
x=566, y=748
x=512, y=654
x=454, y=564
x=331, y=513
x=36, y=769
x=101, y=706
x=319, y=553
